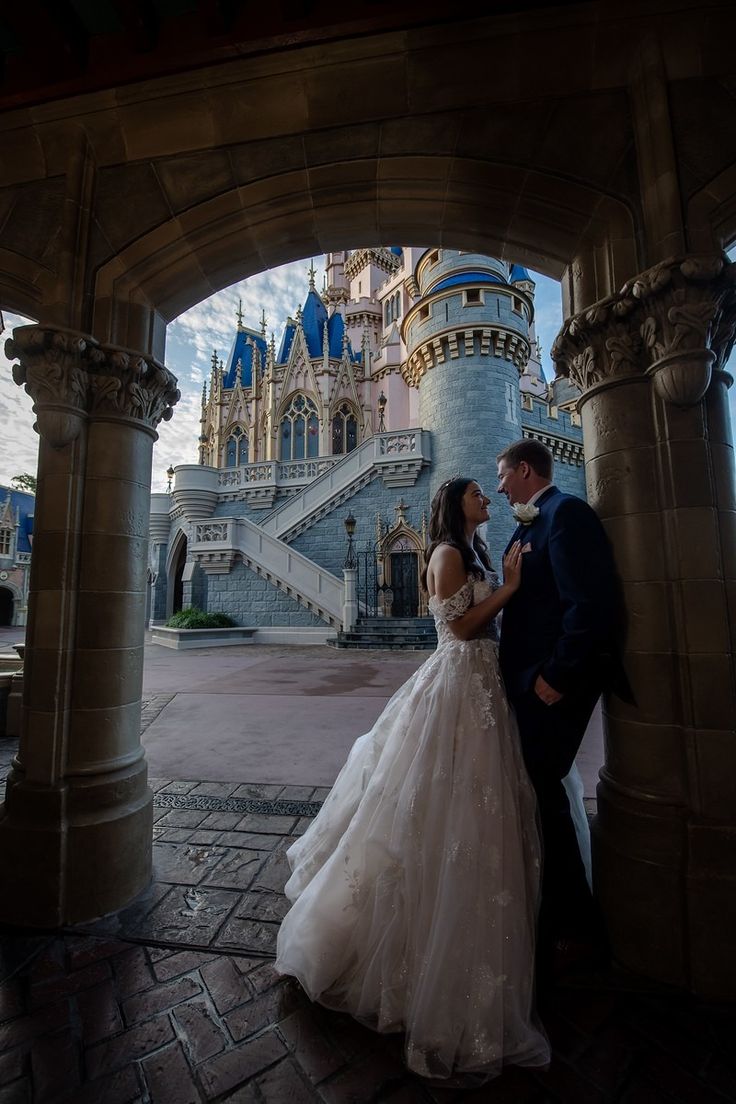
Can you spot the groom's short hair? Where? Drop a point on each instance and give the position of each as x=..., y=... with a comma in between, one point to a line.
x=532, y=452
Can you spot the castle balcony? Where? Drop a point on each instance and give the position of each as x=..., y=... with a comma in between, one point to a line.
x=258, y=484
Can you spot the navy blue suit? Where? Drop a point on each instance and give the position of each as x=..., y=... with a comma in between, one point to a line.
x=563, y=623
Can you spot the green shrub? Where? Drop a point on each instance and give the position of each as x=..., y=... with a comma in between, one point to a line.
x=194, y=618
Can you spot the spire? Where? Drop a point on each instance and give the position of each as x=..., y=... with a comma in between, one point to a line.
x=312, y=274
x=213, y=361
x=299, y=316
x=264, y=322
x=204, y=393
x=239, y=314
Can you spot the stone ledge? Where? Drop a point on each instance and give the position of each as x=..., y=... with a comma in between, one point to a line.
x=200, y=638
x=180, y=639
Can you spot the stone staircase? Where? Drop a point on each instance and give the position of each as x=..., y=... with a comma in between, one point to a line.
x=218, y=541
x=390, y=633
x=396, y=457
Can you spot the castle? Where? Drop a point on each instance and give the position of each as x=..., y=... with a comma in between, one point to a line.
x=16, y=537
x=409, y=367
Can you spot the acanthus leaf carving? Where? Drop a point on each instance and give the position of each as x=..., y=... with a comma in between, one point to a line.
x=73, y=375
x=672, y=322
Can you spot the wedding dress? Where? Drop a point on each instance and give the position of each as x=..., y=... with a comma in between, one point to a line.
x=415, y=889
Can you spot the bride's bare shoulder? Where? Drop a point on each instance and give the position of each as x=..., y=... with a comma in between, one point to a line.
x=446, y=572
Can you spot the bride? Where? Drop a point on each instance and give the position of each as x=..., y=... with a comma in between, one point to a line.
x=415, y=890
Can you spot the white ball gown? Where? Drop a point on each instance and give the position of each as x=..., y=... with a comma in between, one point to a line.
x=415, y=889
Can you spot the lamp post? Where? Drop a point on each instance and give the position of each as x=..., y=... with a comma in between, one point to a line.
x=382, y=403
x=169, y=476
x=350, y=560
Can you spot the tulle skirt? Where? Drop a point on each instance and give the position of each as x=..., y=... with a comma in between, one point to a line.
x=416, y=888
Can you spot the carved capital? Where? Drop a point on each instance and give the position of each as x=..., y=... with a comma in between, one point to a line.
x=675, y=322
x=123, y=382
x=600, y=344
x=71, y=377
x=51, y=368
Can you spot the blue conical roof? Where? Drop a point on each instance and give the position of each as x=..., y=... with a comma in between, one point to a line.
x=242, y=351
x=518, y=274
x=314, y=317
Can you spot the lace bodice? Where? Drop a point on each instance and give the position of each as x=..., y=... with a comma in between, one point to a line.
x=472, y=591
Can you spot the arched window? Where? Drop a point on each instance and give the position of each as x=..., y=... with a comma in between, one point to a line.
x=299, y=430
x=236, y=449
x=344, y=430
x=387, y=312
x=397, y=305
x=6, y=538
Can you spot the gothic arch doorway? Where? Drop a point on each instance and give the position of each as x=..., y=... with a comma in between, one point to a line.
x=178, y=589
x=7, y=606
x=403, y=578
x=400, y=550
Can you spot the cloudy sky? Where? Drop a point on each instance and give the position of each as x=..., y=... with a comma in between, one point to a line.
x=191, y=339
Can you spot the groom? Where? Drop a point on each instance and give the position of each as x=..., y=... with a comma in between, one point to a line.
x=560, y=647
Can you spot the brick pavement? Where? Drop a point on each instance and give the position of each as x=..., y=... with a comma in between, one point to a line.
x=175, y=1001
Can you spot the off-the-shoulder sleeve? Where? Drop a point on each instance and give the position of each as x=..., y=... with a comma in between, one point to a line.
x=449, y=609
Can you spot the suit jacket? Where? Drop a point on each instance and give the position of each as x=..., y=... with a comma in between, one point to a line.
x=566, y=620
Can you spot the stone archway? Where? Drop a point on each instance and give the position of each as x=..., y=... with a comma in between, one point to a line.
x=580, y=167
x=175, y=569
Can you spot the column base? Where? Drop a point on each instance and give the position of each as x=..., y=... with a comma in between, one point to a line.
x=667, y=889
x=74, y=852
x=637, y=864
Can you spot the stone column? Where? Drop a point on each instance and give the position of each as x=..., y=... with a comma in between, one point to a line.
x=660, y=473
x=75, y=829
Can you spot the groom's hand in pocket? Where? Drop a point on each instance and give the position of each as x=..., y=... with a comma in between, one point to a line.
x=545, y=692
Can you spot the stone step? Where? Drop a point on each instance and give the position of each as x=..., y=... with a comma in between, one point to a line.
x=375, y=645
x=395, y=622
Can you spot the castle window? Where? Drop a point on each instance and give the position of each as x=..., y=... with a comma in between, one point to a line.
x=397, y=305
x=344, y=430
x=388, y=312
x=517, y=304
x=5, y=539
x=423, y=313
x=236, y=448
x=434, y=257
x=473, y=297
x=299, y=431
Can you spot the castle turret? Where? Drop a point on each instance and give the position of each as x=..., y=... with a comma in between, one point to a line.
x=467, y=339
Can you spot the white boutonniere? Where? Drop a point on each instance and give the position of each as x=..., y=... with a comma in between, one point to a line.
x=525, y=512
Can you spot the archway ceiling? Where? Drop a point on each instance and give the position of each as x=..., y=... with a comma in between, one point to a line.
x=80, y=47
x=504, y=210
x=510, y=134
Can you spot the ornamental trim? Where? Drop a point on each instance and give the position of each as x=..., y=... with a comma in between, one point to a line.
x=675, y=322
x=70, y=376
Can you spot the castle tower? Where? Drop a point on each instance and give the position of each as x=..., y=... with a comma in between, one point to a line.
x=468, y=341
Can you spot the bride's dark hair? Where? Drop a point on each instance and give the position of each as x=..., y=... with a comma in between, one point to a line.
x=447, y=526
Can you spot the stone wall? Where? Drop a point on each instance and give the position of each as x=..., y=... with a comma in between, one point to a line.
x=249, y=599
x=325, y=542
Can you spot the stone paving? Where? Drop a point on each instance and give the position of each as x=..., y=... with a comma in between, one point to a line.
x=175, y=1001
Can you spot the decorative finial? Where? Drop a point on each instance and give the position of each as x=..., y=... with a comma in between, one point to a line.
x=264, y=322
x=312, y=274
x=204, y=393
x=299, y=315
x=239, y=314
x=213, y=359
